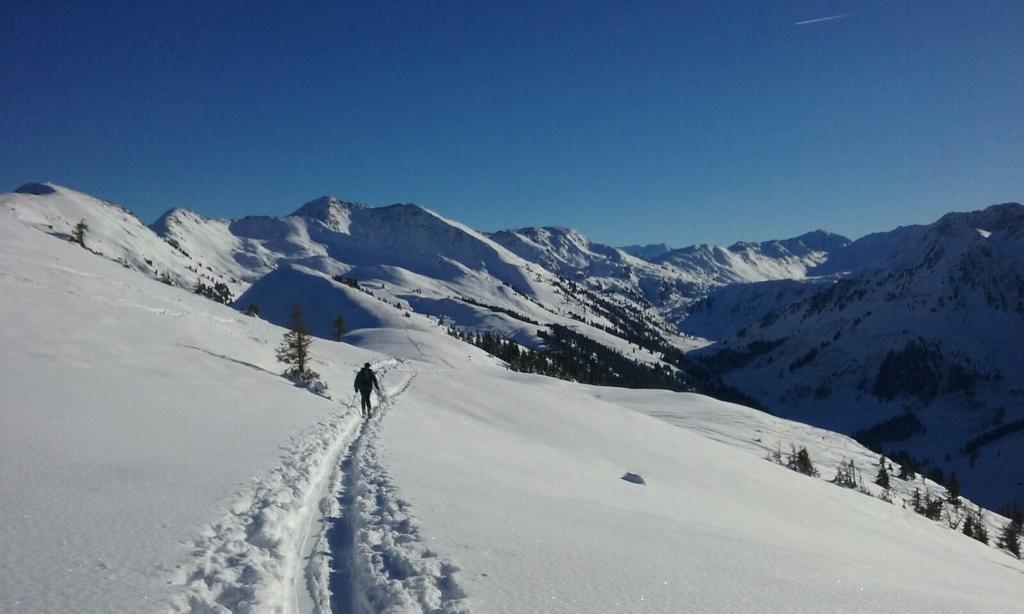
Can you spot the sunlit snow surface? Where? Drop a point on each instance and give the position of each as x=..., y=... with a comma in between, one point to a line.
x=151, y=458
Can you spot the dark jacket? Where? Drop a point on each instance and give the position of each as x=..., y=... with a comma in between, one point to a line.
x=366, y=380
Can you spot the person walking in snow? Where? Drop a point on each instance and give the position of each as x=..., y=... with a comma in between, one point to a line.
x=365, y=382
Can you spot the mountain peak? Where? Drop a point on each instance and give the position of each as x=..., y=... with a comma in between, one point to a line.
x=820, y=240
x=320, y=208
x=176, y=217
x=333, y=212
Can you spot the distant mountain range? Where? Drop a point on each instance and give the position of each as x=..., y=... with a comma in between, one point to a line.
x=911, y=340
x=908, y=339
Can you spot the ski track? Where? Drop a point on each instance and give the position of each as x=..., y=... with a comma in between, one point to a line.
x=381, y=562
x=324, y=530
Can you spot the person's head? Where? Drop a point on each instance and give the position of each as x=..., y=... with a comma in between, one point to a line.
x=366, y=365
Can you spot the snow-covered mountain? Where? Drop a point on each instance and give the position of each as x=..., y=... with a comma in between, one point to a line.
x=152, y=458
x=601, y=268
x=791, y=317
x=714, y=266
x=916, y=347
x=403, y=252
x=672, y=280
x=372, y=266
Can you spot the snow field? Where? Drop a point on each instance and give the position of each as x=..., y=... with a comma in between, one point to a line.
x=518, y=478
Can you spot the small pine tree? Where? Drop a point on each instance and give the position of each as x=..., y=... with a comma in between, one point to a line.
x=800, y=461
x=954, y=518
x=969, y=525
x=927, y=506
x=846, y=475
x=78, y=234
x=974, y=526
x=882, y=479
x=294, y=348
x=338, y=328
x=953, y=487
x=1009, y=538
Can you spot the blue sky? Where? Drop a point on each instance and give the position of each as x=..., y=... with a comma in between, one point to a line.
x=676, y=122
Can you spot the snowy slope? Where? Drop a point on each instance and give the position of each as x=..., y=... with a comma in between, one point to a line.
x=113, y=232
x=153, y=459
x=521, y=485
x=133, y=414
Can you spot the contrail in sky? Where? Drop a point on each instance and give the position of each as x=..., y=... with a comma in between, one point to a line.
x=821, y=19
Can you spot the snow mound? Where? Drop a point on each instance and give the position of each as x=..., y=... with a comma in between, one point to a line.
x=322, y=300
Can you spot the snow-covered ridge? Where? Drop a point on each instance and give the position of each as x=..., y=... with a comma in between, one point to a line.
x=751, y=262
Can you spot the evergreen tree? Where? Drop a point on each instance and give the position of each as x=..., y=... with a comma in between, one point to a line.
x=927, y=506
x=294, y=348
x=1009, y=538
x=78, y=234
x=974, y=526
x=800, y=461
x=846, y=475
x=882, y=479
x=338, y=328
x=981, y=530
x=217, y=292
x=954, y=489
x=968, y=529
